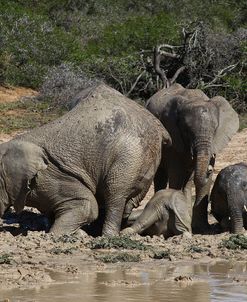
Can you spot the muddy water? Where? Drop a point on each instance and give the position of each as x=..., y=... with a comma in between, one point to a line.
x=159, y=281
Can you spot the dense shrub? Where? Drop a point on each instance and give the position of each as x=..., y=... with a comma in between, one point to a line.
x=113, y=40
x=62, y=83
x=29, y=45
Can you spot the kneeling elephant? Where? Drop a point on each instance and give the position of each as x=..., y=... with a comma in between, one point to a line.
x=103, y=154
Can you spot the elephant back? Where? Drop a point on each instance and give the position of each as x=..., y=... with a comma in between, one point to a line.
x=103, y=127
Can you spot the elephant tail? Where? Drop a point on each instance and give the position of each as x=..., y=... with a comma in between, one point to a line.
x=166, y=138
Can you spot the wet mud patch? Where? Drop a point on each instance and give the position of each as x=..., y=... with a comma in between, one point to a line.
x=156, y=281
x=30, y=257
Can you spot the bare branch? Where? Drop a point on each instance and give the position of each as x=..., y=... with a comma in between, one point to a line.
x=159, y=71
x=177, y=73
x=219, y=75
x=135, y=83
x=157, y=58
x=168, y=54
x=168, y=46
x=117, y=80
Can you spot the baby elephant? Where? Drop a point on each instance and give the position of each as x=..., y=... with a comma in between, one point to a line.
x=168, y=213
x=229, y=198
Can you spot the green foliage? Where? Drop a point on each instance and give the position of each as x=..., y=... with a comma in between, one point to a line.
x=113, y=40
x=160, y=254
x=235, y=242
x=117, y=242
x=5, y=259
x=119, y=257
x=30, y=44
x=65, y=238
x=196, y=249
x=135, y=34
x=242, y=121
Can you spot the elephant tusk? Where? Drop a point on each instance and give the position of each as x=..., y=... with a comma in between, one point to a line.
x=210, y=168
x=245, y=208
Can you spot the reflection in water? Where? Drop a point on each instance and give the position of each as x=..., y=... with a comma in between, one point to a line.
x=155, y=282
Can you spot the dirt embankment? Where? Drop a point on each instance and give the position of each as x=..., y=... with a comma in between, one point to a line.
x=30, y=258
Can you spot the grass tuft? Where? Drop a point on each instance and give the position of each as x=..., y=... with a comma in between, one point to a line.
x=117, y=242
x=5, y=259
x=235, y=242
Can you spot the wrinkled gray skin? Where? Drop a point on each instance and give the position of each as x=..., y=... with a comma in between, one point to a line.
x=199, y=127
x=168, y=213
x=103, y=154
x=229, y=198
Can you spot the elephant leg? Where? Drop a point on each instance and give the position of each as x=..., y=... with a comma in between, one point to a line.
x=160, y=179
x=135, y=201
x=152, y=213
x=134, y=215
x=177, y=170
x=200, y=210
x=245, y=220
x=123, y=194
x=200, y=217
x=114, y=213
x=225, y=224
x=182, y=216
x=72, y=214
x=147, y=218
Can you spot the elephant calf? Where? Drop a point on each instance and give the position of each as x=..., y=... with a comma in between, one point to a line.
x=100, y=156
x=168, y=213
x=229, y=198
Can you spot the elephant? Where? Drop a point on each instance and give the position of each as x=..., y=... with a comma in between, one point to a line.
x=101, y=155
x=229, y=198
x=168, y=213
x=199, y=127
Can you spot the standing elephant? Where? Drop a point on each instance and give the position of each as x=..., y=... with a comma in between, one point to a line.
x=229, y=198
x=168, y=213
x=103, y=154
x=199, y=127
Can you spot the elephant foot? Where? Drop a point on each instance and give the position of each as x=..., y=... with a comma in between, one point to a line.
x=82, y=234
x=127, y=231
x=187, y=235
x=201, y=228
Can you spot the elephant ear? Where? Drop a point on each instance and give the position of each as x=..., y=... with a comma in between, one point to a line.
x=170, y=119
x=21, y=163
x=228, y=123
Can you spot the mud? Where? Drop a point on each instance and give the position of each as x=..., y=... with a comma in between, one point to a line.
x=37, y=266
x=32, y=258
x=156, y=281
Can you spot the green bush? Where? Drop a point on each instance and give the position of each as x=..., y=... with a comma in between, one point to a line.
x=235, y=242
x=113, y=40
x=31, y=44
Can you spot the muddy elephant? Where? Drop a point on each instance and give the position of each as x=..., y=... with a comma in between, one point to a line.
x=229, y=198
x=168, y=213
x=199, y=127
x=103, y=154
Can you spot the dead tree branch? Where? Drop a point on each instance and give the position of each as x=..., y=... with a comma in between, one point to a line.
x=157, y=59
x=220, y=75
x=135, y=83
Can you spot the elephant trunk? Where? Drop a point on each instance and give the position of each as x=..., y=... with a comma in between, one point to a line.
x=201, y=175
x=236, y=212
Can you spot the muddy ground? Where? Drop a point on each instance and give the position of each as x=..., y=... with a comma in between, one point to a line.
x=29, y=256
